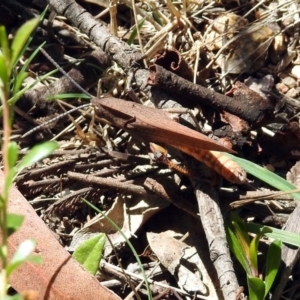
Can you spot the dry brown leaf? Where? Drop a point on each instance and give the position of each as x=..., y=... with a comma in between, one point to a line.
x=59, y=276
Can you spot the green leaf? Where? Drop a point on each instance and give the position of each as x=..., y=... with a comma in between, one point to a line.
x=36, y=259
x=256, y=288
x=22, y=73
x=287, y=237
x=253, y=254
x=21, y=255
x=68, y=96
x=4, y=44
x=2, y=255
x=149, y=294
x=238, y=251
x=89, y=253
x=4, y=75
x=13, y=152
x=19, y=80
x=19, y=94
x=134, y=31
x=157, y=17
x=31, y=57
x=254, y=248
x=234, y=217
x=240, y=234
x=37, y=153
x=21, y=38
x=9, y=179
x=14, y=297
x=14, y=222
x=273, y=263
x=2, y=201
x=265, y=175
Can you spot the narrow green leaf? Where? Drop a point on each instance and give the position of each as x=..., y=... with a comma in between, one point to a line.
x=4, y=44
x=89, y=253
x=240, y=234
x=68, y=96
x=234, y=217
x=238, y=250
x=31, y=57
x=287, y=237
x=134, y=31
x=273, y=263
x=256, y=288
x=265, y=175
x=2, y=255
x=21, y=38
x=13, y=152
x=14, y=297
x=19, y=80
x=9, y=179
x=2, y=201
x=37, y=153
x=21, y=255
x=157, y=18
x=4, y=74
x=253, y=254
x=19, y=94
x=36, y=259
x=14, y=222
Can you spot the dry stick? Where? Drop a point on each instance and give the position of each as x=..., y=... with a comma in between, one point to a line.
x=109, y=268
x=213, y=225
x=248, y=105
x=109, y=182
x=50, y=169
x=289, y=254
x=98, y=31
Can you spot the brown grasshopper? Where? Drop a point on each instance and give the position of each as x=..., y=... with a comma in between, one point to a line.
x=154, y=125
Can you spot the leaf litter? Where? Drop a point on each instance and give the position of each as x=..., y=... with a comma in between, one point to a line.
x=220, y=46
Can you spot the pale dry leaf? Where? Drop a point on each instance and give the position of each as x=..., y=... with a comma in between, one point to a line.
x=261, y=86
x=129, y=215
x=183, y=262
x=293, y=176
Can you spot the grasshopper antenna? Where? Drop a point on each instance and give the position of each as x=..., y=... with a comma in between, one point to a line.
x=67, y=112
x=54, y=119
x=65, y=73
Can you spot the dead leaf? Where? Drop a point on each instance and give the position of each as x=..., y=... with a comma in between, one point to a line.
x=59, y=276
x=129, y=215
x=183, y=262
x=293, y=176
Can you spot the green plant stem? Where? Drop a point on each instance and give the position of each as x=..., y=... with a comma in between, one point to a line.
x=3, y=221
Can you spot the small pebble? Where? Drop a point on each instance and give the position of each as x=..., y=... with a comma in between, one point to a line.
x=296, y=71
x=269, y=167
x=289, y=82
x=293, y=93
x=282, y=88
